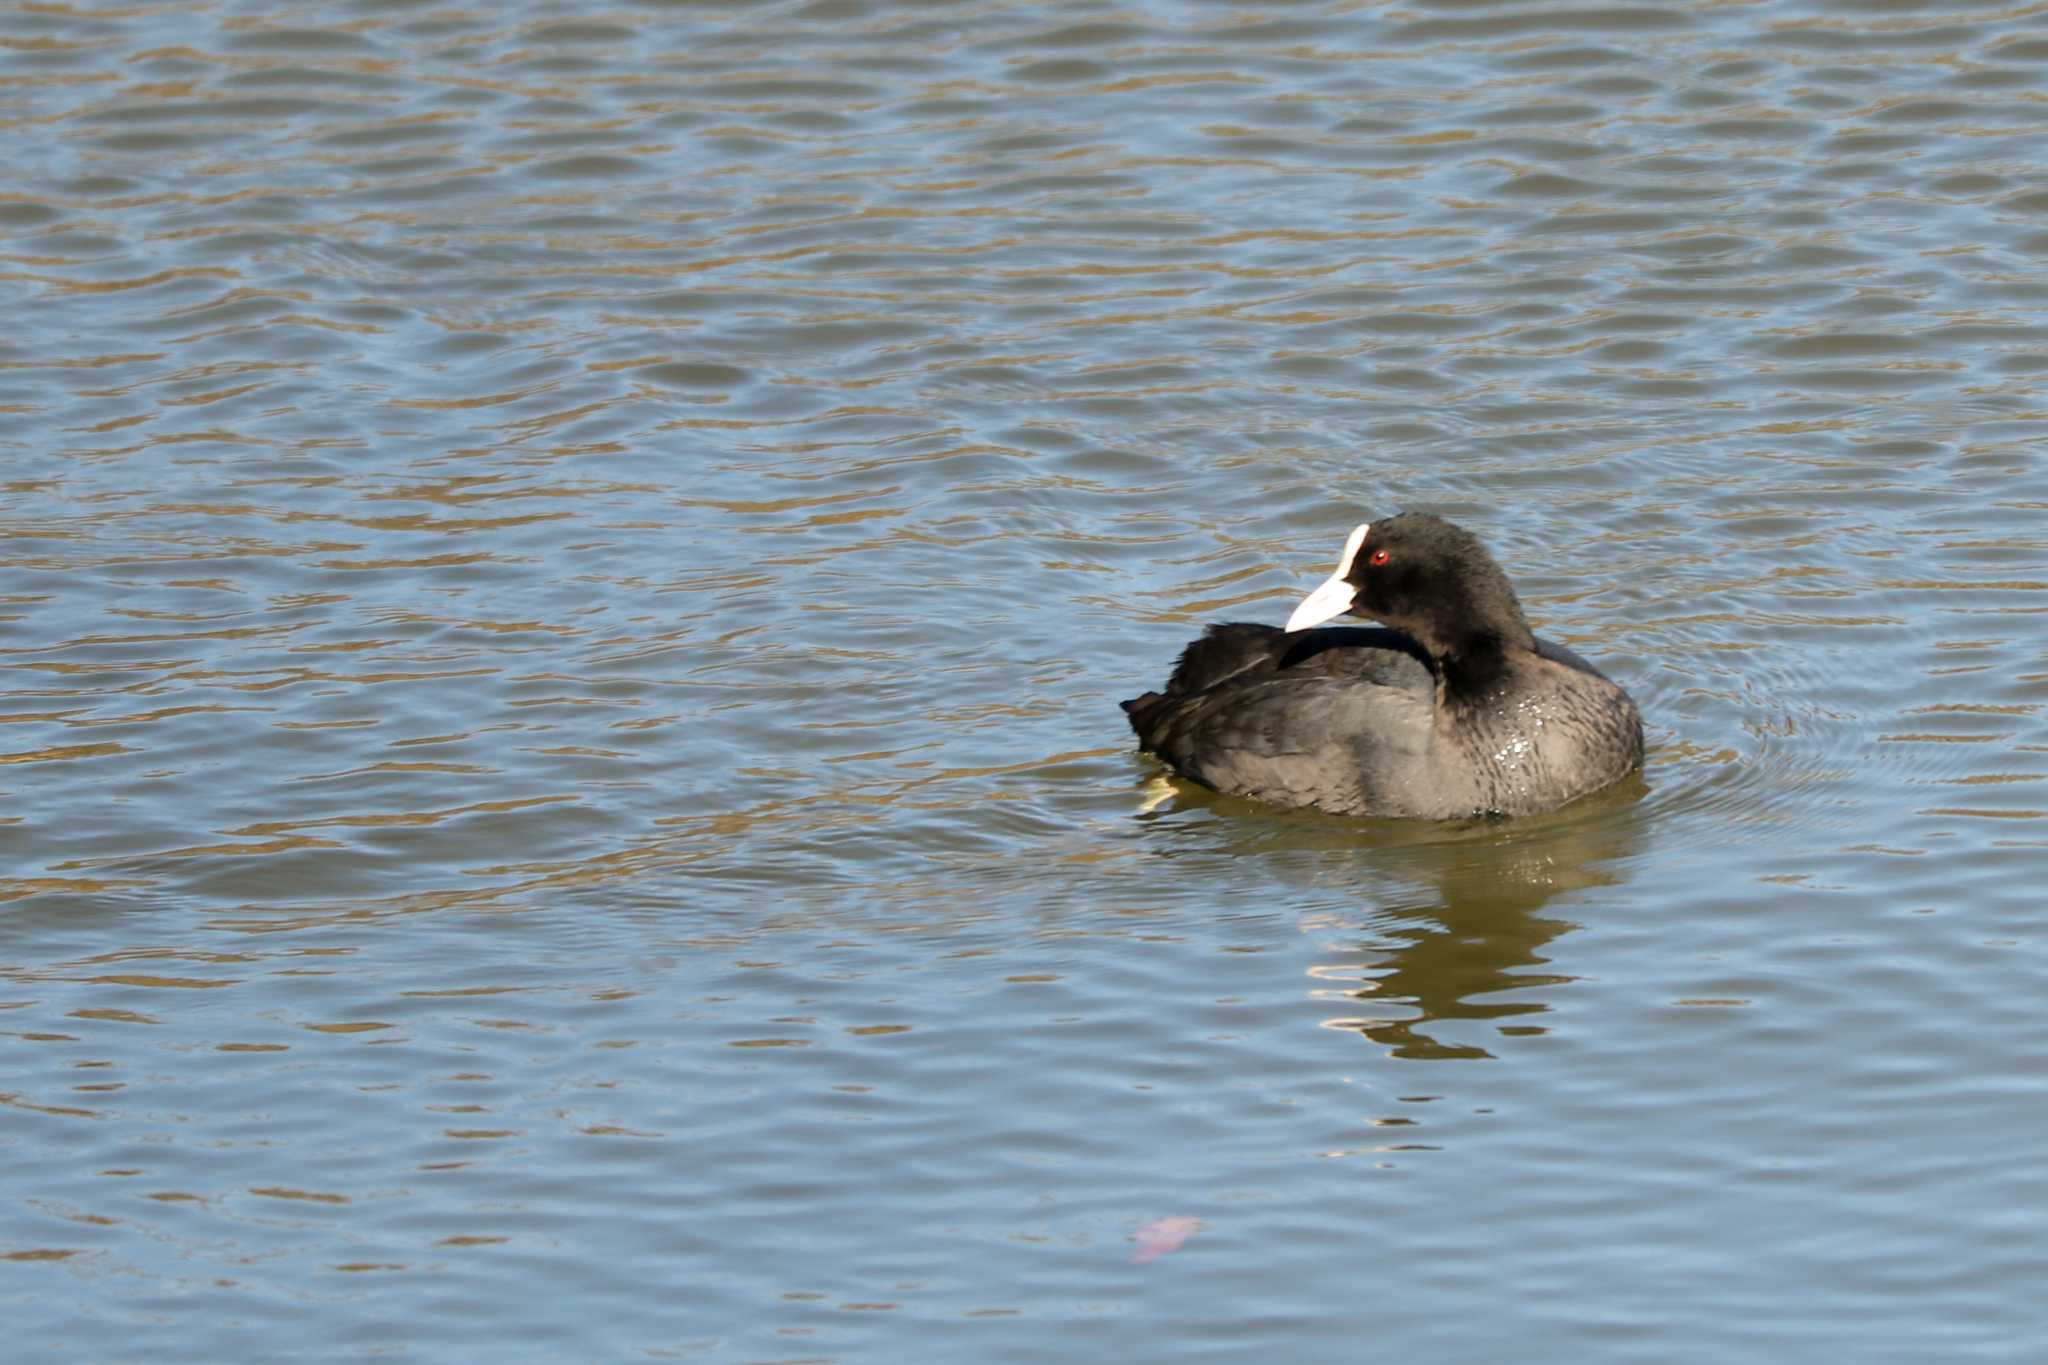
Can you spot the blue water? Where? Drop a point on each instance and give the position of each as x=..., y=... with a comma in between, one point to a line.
x=570, y=572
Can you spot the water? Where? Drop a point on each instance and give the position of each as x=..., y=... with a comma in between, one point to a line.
x=568, y=579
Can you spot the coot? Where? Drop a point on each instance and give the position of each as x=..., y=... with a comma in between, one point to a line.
x=1455, y=709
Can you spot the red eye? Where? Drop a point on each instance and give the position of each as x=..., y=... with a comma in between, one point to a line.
x=1376, y=558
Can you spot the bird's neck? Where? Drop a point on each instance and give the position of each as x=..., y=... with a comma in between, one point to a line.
x=1480, y=666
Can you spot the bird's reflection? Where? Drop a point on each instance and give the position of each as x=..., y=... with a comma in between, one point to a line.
x=1467, y=937
x=1476, y=950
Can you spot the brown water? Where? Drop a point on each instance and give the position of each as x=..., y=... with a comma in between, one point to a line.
x=569, y=573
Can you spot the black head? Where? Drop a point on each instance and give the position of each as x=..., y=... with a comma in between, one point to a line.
x=1430, y=580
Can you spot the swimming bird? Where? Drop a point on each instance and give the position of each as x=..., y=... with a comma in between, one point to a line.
x=1453, y=709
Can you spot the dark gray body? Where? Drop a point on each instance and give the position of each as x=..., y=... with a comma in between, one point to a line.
x=1356, y=722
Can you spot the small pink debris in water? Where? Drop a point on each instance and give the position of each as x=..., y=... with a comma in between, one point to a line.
x=1162, y=1235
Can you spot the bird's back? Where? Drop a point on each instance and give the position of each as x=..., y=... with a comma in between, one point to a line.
x=1340, y=719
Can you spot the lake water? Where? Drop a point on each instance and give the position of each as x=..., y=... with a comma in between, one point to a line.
x=569, y=572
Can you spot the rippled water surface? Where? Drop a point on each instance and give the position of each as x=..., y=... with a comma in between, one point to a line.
x=568, y=573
